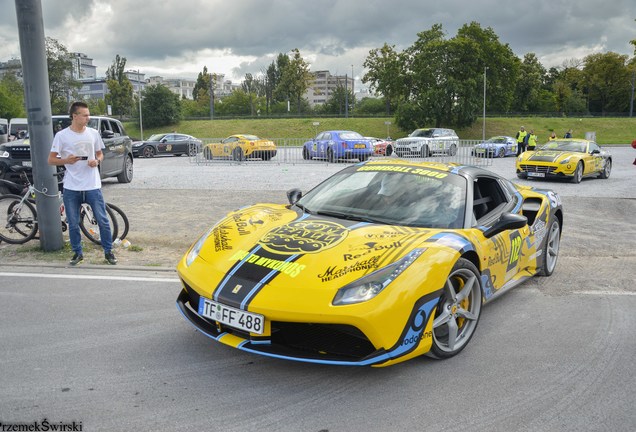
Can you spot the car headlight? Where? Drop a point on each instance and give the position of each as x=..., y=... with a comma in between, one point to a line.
x=194, y=250
x=4, y=154
x=566, y=160
x=369, y=286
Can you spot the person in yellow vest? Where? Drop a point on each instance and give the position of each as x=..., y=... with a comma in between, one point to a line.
x=552, y=136
x=521, y=140
x=532, y=141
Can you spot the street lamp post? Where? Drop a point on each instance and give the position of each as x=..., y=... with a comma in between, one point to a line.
x=483, y=129
x=141, y=121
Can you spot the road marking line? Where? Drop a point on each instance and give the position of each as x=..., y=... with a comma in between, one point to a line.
x=614, y=293
x=104, y=277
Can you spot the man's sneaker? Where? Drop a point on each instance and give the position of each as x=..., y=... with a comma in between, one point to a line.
x=77, y=258
x=110, y=257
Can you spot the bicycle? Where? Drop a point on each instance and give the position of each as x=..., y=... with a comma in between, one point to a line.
x=21, y=223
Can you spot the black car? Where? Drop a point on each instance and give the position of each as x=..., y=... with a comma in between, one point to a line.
x=118, y=156
x=167, y=144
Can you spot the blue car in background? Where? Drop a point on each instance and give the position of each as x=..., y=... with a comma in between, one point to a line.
x=338, y=144
x=498, y=146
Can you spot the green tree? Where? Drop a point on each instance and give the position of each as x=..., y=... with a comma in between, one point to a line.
x=201, y=90
x=11, y=97
x=295, y=80
x=160, y=106
x=371, y=106
x=532, y=75
x=607, y=78
x=120, y=89
x=385, y=74
x=239, y=103
x=63, y=85
x=338, y=100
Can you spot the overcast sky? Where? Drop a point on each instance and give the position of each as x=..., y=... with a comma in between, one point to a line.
x=176, y=38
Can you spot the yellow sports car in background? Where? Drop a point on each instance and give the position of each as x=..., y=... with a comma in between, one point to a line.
x=382, y=262
x=570, y=158
x=240, y=147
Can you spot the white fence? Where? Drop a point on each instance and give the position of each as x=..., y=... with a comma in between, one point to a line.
x=289, y=151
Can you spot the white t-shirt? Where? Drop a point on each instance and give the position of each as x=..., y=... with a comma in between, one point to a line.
x=79, y=176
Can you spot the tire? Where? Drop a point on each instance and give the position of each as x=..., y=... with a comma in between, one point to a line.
x=578, y=173
x=388, y=151
x=501, y=153
x=452, y=151
x=192, y=150
x=458, y=311
x=522, y=175
x=330, y=156
x=148, y=152
x=122, y=221
x=606, y=170
x=237, y=154
x=126, y=175
x=88, y=224
x=363, y=158
x=424, y=151
x=306, y=154
x=550, y=249
x=18, y=220
x=207, y=154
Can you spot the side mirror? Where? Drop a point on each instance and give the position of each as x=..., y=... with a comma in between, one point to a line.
x=108, y=134
x=596, y=151
x=293, y=195
x=506, y=221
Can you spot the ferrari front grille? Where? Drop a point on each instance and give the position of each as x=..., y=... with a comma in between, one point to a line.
x=538, y=168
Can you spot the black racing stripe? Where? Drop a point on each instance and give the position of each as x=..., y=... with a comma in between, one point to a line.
x=248, y=277
x=544, y=157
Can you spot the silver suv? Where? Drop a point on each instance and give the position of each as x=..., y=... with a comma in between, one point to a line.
x=426, y=142
x=118, y=156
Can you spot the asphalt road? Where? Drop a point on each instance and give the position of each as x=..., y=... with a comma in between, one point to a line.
x=106, y=346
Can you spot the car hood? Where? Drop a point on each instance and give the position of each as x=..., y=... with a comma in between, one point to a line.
x=277, y=246
x=15, y=143
x=549, y=156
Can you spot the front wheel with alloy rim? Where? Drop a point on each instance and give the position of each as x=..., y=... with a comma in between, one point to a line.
x=126, y=175
x=452, y=151
x=607, y=169
x=424, y=151
x=458, y=310
x=551, y=249
x=578, y=173
x=148, y=152
x=389, y=150
x=306, y=155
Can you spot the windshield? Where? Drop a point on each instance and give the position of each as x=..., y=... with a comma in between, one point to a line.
x=569, y=146
x=349, y=135
x=390, y=194
x=496, y=140
x=422, y=133
x=156, y=137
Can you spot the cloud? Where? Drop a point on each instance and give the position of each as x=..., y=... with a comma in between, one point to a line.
x=178, y=38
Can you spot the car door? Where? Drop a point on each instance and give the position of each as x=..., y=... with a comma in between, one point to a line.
x=166, y=145
x=503, y=254
x=595, y=158
x=320, y=144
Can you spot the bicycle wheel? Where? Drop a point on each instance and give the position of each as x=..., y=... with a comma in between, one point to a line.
x=122, y=220
x=18, y=220
x=90, y=228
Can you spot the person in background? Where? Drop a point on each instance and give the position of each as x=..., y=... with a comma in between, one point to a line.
x=634, y=147
x=552, y=136
x=532, y=140
x=80, y=149
x=568, y=134
x=521, y=140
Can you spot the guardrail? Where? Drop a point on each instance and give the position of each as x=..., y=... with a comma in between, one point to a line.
x=289, y=151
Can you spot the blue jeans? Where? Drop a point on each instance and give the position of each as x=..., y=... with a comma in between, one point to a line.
x=73, y=201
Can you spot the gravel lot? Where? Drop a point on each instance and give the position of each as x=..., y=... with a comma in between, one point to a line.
x=171, y=201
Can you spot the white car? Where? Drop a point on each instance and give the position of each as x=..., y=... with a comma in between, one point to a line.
x=426, y=142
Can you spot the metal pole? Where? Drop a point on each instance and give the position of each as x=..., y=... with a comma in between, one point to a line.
x=353, y=84
x=346, y=96
x=141, y=121
x=38, y=103
x=483, y=128
x=631, y=101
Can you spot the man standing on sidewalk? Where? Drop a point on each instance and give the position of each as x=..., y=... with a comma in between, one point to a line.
x=79, y=149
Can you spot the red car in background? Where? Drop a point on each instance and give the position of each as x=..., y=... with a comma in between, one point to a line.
x=381, y=147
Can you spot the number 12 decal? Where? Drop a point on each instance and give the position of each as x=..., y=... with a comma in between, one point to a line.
x=515, y=250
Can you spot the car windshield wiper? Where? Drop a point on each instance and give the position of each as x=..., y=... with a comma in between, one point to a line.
x=303, y=208
x=346, y=216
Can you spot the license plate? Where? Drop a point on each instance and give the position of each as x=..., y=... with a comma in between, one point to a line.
x=26, y=163
x=480, y=152
x=237, y=318
x=359, y=146
x=536, y=174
